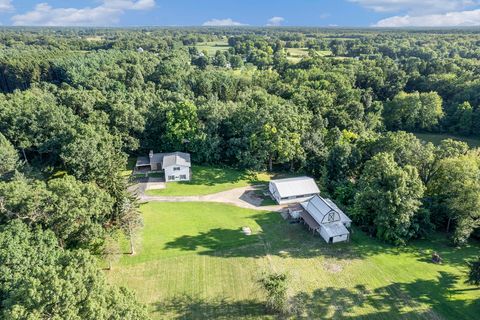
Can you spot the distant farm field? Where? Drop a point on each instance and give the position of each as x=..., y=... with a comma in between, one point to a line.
x=437, y=138
x=296, y=54
x=212, y=47
x=195, y=263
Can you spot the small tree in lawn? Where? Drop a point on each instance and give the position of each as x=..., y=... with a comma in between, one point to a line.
x=131, y=220
x=275, y=286
x=474, y=272
x=111, y=251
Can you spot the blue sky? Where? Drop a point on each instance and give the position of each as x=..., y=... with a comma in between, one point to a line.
x=343, y=13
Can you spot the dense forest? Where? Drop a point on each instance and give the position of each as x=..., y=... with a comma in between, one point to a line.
x=76, y=103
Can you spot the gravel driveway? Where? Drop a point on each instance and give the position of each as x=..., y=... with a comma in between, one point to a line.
x=240, y=197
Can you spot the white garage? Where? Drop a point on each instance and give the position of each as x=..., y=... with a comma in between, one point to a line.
x=293, y=190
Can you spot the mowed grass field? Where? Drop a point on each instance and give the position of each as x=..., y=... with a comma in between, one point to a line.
x=195, y=263
x=212, y=47
x=208, y=180
x=437, y=138
x=296, y=54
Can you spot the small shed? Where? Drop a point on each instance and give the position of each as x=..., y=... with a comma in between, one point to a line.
x=293, y=190
x=324, y=217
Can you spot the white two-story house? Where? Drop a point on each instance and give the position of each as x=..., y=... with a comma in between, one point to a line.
x=176, y=166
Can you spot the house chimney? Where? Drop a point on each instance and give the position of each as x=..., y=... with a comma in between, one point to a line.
x=150, y=155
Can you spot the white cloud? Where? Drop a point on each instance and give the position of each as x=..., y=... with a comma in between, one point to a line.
x=6, y=5
x=222, y=23
x=450, y=19
x=129, y=5
x=107, y=13
x=416, y=6
x=275, y=21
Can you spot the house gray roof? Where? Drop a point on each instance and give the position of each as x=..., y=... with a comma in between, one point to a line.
x=324, y=211
x=157, y=158
x=176, y=159
x=142, y=161
x=295, y=186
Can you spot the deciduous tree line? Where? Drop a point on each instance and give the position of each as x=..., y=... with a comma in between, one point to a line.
x=72, y=111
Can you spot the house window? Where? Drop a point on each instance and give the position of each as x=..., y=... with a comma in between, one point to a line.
x=176, y=168
x=171, y=177
x=183, y=177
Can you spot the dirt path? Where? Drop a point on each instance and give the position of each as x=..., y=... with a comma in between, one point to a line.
x=240, y=197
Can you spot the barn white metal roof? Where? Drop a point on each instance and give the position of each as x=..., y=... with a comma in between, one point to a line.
x=335, y=229
x=319, y=207
x=343, y=216
x=295, y=186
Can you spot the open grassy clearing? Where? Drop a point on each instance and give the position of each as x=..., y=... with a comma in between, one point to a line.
x=212, y=47
x=436, y=138
x=296, y=54
x=195, y=263
x=208, y=180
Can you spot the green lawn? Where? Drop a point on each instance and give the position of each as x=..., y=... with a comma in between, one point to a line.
x=296, y=54
x=208, y=180
x=437, y=138
x=212, y=47
x=195, y=263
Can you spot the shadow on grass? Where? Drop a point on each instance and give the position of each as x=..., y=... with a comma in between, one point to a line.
x=389, y=301
x=278, y=237
x=211, y=176
x=188, y=307
x=421, y=299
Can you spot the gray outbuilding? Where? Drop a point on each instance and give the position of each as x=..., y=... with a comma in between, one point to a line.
x=293, y=190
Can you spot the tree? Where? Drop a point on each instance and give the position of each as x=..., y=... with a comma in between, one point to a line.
x=267, y=130
x=111, y=250
x=405, y=147
x=181, y=125
x=219, y=60
x=388, y=198
x=39, y=280
x=414, y=111
x=275, y=286
x=474, y=272
x=34, y=123
x=340, y=164
x=448, y=148
x=8, y=156
x=455, y=195
x=130, y=219
x=93, y=154
x=236, y=61
x=463, y=119
x=201, y=61
x=75, y=211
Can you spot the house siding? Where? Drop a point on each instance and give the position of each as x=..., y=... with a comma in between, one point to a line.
x=177, y=175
